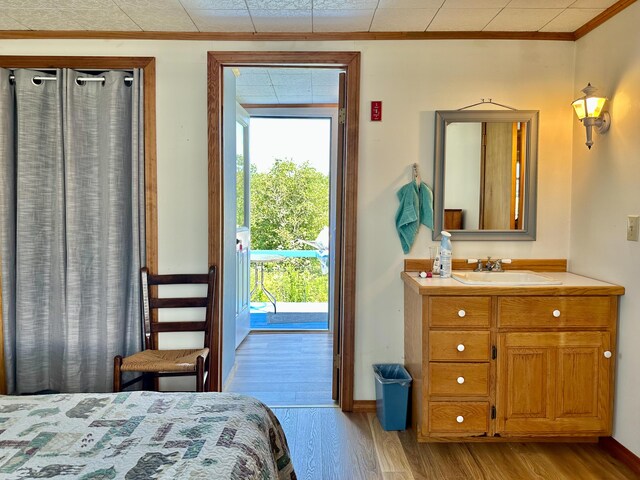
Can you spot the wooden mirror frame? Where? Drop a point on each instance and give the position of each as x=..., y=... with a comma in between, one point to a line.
x=445, y=117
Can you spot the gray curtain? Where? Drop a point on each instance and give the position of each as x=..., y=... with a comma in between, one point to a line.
x=72, y=227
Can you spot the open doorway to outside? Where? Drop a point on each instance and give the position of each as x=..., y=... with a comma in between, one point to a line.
x=282, y=151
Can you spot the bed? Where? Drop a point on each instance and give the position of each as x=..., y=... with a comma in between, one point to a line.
x=141, y=435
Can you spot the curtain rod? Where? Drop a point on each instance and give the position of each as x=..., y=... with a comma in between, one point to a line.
x=81, y=79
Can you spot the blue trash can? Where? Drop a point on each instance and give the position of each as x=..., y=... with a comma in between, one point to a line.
x=392, y=395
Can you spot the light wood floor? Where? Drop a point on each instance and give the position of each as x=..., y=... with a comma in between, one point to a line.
x=283, y=369
x=327, y=444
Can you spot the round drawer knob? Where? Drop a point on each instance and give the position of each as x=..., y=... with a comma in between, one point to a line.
x=459, y=419
x=461, y=379
x=607, y=354
x=460, y=348
x=461, y=313
x=556, y=313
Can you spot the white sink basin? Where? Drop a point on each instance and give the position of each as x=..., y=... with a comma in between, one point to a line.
x=512, y=277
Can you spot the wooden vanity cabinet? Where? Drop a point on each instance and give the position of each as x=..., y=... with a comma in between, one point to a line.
x=502, y=366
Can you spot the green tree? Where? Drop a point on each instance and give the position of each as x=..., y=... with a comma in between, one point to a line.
x=289, y=203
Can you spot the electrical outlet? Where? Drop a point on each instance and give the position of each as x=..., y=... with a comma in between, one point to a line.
x=632, y=227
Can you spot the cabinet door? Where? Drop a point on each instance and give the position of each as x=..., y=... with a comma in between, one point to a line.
x=555, y=383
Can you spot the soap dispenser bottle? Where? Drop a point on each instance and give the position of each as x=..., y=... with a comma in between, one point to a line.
x=445, y=255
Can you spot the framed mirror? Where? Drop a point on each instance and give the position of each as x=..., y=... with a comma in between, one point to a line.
x=485, y=174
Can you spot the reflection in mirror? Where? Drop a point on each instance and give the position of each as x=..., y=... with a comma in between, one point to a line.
x=485, y=174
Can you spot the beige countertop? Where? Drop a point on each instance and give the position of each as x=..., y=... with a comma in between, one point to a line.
x=572, y=284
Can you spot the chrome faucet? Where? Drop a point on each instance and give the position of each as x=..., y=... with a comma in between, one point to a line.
x=490, y=265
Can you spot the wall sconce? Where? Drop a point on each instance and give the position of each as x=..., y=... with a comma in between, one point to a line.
x=589, y=112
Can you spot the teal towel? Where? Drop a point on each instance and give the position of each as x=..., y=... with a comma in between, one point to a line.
x=426, y=206
x=416, y=207
x=408, y=215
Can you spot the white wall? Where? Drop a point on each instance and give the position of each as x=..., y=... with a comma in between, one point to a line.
x=463, y=144
x=413, y=79
x=605, y=189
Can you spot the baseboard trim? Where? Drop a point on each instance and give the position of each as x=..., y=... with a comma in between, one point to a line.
x=621, y=453
x=364, y=406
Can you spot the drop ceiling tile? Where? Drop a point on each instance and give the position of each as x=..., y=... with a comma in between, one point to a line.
x=475, y=3
x=325, y=77
x=222, y=20
x=325, y=98
x=462, y=19
x=292, y=90
x=255, y=90
x=410, y=3
x=150, y=4
x=288, y=71
x=214, y=4
x=295, y=99
x=105, y=19
x=252, y=70
x=402, y=19
x=345, y=5
x=258, y=99
x=161, y=19
x=325, y=90
x=253, y=79
x=571, y=19
x=593, y=3
x=539, y=3
x=8, y=23
x=291, y=80
x=43, y=19
x=522, y=19
x=55, y=4
x=279, y=4
x=342, y=20
x=281, y=20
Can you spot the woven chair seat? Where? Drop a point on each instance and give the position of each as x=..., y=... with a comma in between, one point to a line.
x=164, y=360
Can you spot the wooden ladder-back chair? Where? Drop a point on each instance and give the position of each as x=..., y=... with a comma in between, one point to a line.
x=154, y=363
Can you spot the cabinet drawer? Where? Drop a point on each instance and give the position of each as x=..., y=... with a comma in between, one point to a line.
x=458, y=311
x=459, y=346
x=554, y=312
x=459, y=379
x=458, y=417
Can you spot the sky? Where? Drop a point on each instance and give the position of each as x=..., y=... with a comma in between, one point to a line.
x=298, y=139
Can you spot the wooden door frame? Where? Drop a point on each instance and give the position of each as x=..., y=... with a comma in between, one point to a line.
x=148, y=66
x=350, y=61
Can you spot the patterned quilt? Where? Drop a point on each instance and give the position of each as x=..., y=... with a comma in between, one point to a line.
x=141, y=435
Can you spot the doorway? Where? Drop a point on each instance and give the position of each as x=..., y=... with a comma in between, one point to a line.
x=341, y=252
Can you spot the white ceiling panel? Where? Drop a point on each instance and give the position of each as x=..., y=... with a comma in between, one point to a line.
x=522, y=19
x=255, y=90
x=593, y=3
x=571, y=19
x=249, y=79
x=297, y=90
x=462, y=19
x=291, y=80
x=301, y=16
x=539, y=3
x=279, y=4
x=214, y=4
x=161, y=19
x=282, y=20
x=8, y=23
x=345, y=4
x=325, y=77
x=324, y=99
x=265, y=99
x=43, y=19
x=109, y=19
x=150, y=4
x=410, y=4
x=342, y=20
x=294, y=99
x=475, y=4
x=402, y=19
x=222, y=20
x=325, y=90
